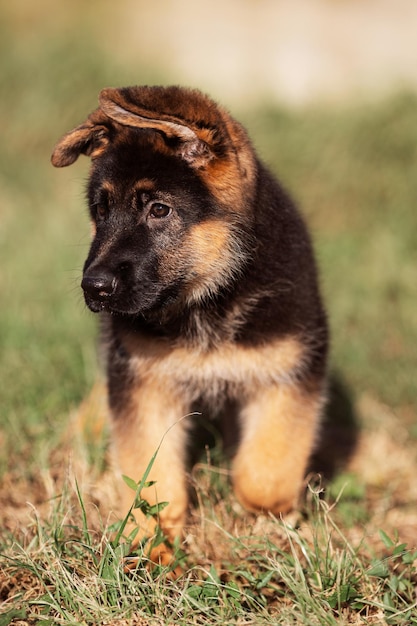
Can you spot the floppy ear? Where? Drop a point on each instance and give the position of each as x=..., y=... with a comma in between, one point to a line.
x=187, y=141
x=89, y=139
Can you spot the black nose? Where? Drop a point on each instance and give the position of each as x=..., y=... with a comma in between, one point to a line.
x=99, y=284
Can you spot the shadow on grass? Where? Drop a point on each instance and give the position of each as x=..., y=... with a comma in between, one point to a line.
x=340, y=431
x=338, y=438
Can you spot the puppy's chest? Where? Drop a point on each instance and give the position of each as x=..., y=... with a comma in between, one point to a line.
x=230, y=369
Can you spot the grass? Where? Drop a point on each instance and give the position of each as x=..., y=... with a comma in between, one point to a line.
x=269, y=573
x=349, y=555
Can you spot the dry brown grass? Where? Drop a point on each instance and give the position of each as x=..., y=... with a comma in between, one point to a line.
x=219, y=534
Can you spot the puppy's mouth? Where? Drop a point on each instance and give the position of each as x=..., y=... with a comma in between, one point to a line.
x=96, y=306
x=118, y=299
x=114, y=305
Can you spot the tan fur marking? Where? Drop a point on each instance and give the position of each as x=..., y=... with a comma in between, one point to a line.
x=209, y=256
x=207, y=244
x=215, y=254
x=231, y=178
x=222, y=177
x=108, y=186
x=145, y=184
x=271, y=363
x=279, y=430
x=209, y=241
x=101, y=149
x=154, y=417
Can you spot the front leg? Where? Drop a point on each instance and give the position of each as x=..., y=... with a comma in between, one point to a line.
x=279, y=429
x=151, y=417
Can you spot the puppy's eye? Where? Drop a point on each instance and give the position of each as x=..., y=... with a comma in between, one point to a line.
x=159, y=210
x=101, y=212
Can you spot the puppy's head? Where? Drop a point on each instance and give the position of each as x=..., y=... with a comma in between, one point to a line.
x=170, y=195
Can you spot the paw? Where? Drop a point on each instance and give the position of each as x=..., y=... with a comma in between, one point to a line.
x=161, y=556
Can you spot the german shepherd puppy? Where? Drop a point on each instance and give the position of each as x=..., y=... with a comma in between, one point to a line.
x=203, y=274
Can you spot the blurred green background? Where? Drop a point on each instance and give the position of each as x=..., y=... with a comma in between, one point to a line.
x=348, y=156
